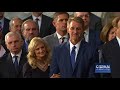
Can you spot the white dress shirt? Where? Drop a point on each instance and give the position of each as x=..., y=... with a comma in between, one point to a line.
x=60, y=37
x=77, y=48
x=118, y=39
x=18, y=58
x=86, y=35
x=39, y=21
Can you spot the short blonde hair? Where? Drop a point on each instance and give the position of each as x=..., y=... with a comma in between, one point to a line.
x=76, y=19
x=31, y=51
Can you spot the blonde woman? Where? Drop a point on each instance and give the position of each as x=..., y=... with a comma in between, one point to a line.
x=39, y=57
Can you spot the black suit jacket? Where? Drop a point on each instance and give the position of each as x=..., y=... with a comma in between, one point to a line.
x=111, y=54
x=5, y=27
x=7, y=69
x=47, y=27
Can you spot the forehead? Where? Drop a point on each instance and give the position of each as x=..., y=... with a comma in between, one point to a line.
x=17, y=21
x=29, y=24
x=12, y=38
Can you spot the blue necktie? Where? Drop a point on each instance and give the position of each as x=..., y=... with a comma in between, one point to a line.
x=73, y=53
x=16, y=64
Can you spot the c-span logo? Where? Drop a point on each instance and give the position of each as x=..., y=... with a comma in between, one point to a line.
x=102, y=68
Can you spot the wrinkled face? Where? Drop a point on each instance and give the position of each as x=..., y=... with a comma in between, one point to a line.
x=14, y=44
x=16, y=26
x=85, y=16
x=75, y=31
x=61, y=22
x=40, y=51
x=111, y=34
x=30, y=30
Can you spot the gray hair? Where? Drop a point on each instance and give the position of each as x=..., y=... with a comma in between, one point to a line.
x=12, y=34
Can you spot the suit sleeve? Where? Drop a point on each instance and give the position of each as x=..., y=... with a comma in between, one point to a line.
x=54, y=69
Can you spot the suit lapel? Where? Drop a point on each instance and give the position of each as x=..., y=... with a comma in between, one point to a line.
x=80, y=53
x=10, y=66
x=56, y=40
x=22, y=61
x=67, y=55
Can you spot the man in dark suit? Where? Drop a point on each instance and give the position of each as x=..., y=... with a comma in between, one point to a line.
x=4, y=24
x=10, y=66
x=60, y=22
x=73, y=63
x=95, y=21
x=29, y=31
x=91, y=36
x=111, y=53
x=44, y=22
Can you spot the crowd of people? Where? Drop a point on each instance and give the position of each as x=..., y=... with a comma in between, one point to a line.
x=65, y=46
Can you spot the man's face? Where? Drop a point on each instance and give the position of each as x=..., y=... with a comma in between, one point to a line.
x=14, y=44
x=85, y=16
x=75, y=31
x=60, y=22
x=30, y=30
x=16, y=26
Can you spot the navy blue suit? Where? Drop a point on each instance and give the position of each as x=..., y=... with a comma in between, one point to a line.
x=94, y=38
x=84, y=66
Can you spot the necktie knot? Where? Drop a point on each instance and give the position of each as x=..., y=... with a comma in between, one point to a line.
x=36, y=19
x=73, y=48
x=62, y=39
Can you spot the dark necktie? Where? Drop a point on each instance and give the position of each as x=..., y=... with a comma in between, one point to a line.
x=16, y=64
x=36, y=20
x=62, y=39
x=73, y=53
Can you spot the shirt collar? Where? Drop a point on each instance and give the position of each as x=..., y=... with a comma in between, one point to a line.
x=87, y=31
x=36, y=17
x=77, y=45
x=19, y=54
x=59, y=36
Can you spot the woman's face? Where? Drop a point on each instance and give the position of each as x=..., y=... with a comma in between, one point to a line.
x=40, y=51
x=111, y=34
